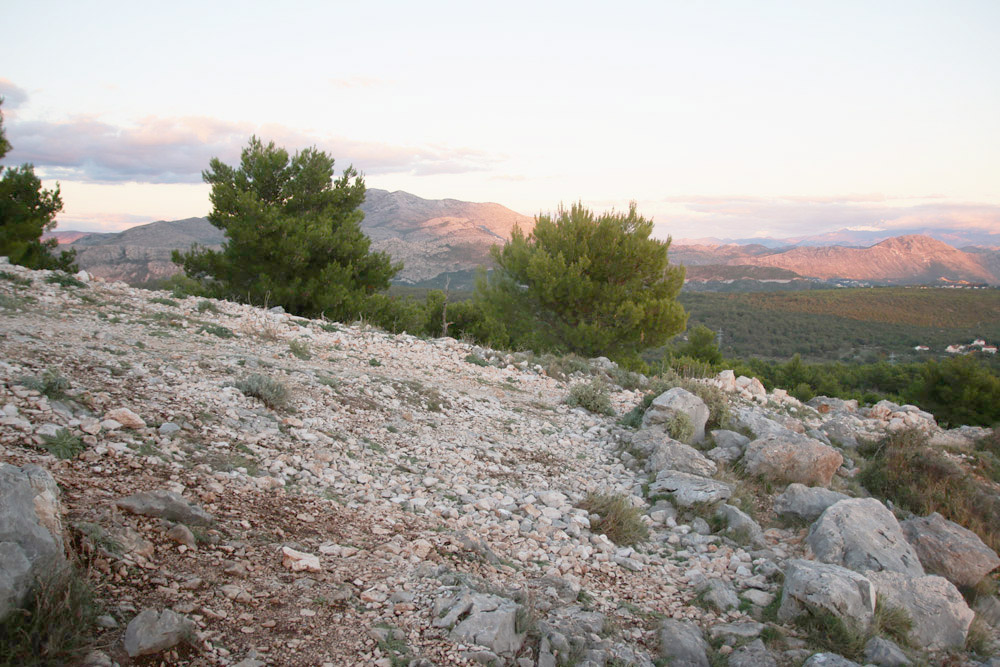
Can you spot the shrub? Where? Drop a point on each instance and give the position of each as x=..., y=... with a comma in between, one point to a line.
x=206, y=306
x=164, y=302
x=476, y=360
x=271, y=392
x=300, y=349
x=63, y=444
x=50, y=383
x=64, y=279
x=922, y=479
x=679, y=427
x=618, y=520
x=216, y=330
x=55, y=625
x=714, y=398
x=591, y=396
x=14, y=278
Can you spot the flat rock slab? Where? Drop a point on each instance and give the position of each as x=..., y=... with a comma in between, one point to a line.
x=151, y=632
x=668, y=454
x=806, y=502
x=166, y=505
x=792, y=458
x=688, y=489
x=948, y=549
x=941, y=618
x=861, y=534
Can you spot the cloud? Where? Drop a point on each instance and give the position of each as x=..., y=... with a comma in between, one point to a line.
x=790, y=217
x=13, y=95
x=176, y=150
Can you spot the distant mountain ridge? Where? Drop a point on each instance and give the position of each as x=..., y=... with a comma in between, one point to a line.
x=429, y=236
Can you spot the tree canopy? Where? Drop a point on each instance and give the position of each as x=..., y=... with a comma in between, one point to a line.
x=586, y=283
x=293, y=234
x=27, y=210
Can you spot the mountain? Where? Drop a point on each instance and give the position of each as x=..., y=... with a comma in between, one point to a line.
x=429, y=236
x=901, y=259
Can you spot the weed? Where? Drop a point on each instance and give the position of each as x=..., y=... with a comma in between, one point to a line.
x=300, y=349
x=216, y=330
x=374, y=362
x=50, y=383
x=633, y=418
x=271, y=392
x=14, y=278
x=626, y=379
x=63, y=444
x=978, y=640
x=206, y=306
x=618, y=520
x=476, y=360
x=165, y=302
x=592, y=396
x=892, y=621
x=830, y=632
x=54, y=627
x=64, y=280
x=98, y=537
x=333, y=383
x=679, y=427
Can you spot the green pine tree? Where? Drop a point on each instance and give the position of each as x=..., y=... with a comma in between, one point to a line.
x=293, y=235
x=586, y=283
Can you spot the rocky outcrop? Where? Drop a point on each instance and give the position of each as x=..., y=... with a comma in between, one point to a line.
x=31, y=539
x=678, y=401
x=940, y=616
x=683, y=644
x=863, y=535
x=688, y=489
x=805, y=502
x=792, y=458
x=948, y=549
x=811, y=587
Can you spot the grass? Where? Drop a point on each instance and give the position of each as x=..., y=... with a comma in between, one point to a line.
x=164, y=302
x=592, y=396
x=216, y=330
x=374, y=362
x=922, y=479
x=55, y=625
x=64, y=279
x=14, y=278
x=679, y=427
x=206, y=306
x=63, y=444
x=476, y=360
x=300, y=349
x=619, y=521
x=271, y=392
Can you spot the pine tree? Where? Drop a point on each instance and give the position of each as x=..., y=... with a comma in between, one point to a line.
x=594, y=285
x=293, y=235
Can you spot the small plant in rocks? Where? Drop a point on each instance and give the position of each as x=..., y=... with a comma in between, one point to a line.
x=14, y=278
x=63, y=444
x=271, y=392
x=679, y=427
x=618, y=519
x=300, y=349
x=64, y=280
x=216, y=330
x=593, y=396
x=49, y=383
x=206, y=306
x=476, y=360
x=164, y=301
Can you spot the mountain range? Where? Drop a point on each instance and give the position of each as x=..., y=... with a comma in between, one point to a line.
x=451, y=237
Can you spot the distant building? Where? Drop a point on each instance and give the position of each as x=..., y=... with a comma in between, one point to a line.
x=955, y=349
x=990, y=349
x=922, y=348
x=979, y=342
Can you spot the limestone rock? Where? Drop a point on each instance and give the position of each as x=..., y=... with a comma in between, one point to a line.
x=948, y=549
x=740, y=526
x=863, y=535
x=811, y=586
x=31, y=541
x=792, y=458
x=690, y=489
x=885, y=653
x=806, y=502
x=298, y=561
x=829, y=660
x=489, y=621
x=669, y=454
x=126, y=418
x=719, y=593
x=674, y=401
x=682, y=644
x=166, y=505
x=754, y=654
x=150, y=632
x=941, y=618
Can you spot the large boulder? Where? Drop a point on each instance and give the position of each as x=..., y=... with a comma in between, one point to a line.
x=792, y=458
x=806, y=502
x=168, y=505
x=480, y=618
x=151, y=632
x=757, y=423
x=740, y=526
x=31, y=542
x=682, y=644
x=948, y=549
x=863, y=535
x=940, y=616
x=811, y=586
x=688, y=489
x=678, y=401
x=668, y=454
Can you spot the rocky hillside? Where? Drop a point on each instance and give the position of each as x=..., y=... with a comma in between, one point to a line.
x=430, y=237
x=242, y=487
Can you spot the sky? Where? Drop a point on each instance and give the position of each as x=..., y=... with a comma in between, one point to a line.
x=726, y=118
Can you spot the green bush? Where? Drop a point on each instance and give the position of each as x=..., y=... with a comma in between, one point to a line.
x=164, y=302
x=216, y=330
x=64, y=279
x=50, y=383
x=679, y=427
x=591, y=396
x=271, y=392
x=206, y=306
x=476, y=360
x=63, y=444
x=14, y=278
x=618, y=520
x=300, y=349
